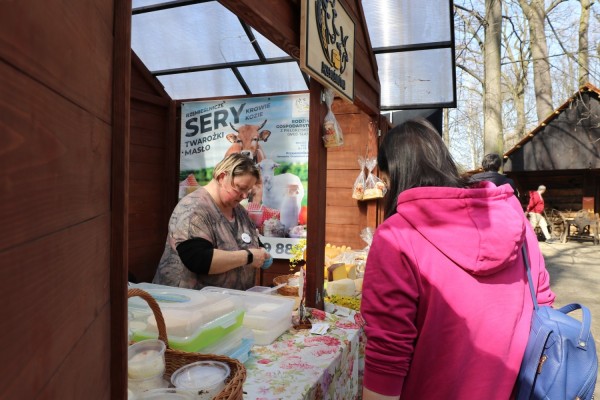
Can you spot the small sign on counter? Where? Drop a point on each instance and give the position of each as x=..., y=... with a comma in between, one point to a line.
x=279, y=247
x=319, y=329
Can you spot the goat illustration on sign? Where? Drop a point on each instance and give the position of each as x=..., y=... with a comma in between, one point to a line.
x=283, y=192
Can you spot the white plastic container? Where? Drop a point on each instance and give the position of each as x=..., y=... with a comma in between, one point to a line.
x=146, y=366
x=268, y=334
x=205, y=378
x=166, y=394
x=268, y=315
x=138, y=386
x=260, y=289
x=146, y=359
x=236, y=344
x=193, y=319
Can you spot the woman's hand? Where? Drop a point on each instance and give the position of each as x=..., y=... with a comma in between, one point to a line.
x=258, y=257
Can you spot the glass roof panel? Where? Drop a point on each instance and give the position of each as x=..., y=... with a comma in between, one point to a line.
x=406, y=22
x=268, y=48
x=144, y=3
x=415, y=78
x=274, y=78
x=195, y=35
x=203, y=84
x=207, y=34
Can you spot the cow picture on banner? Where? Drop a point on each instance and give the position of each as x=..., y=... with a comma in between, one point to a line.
x=272, y=131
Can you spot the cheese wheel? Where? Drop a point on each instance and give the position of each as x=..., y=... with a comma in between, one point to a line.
x=336, y=272
x=358, y=283
x=343, y=287
x=351, y=271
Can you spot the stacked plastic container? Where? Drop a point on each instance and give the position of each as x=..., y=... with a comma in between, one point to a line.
x=194, y=319
x=267, y=316
x=236, y=344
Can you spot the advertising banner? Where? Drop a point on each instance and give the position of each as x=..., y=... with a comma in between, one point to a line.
x=273, y=131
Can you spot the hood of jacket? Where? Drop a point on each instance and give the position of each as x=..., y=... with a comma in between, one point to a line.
x=480, y=228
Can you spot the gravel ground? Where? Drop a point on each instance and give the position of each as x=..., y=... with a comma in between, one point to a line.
x=574, y=269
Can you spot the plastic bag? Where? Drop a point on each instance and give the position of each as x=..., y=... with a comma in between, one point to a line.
x=367, y=235
x=332, y=133
x=361, y=255
x=358, y=189
x=374, y=187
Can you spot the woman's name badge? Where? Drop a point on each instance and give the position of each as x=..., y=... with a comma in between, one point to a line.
x=246, y=238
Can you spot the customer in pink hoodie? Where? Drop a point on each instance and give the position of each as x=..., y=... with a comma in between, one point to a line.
x=445, y=293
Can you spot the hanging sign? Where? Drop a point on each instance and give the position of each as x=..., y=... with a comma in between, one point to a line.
x=327, y=45
x=271, y=130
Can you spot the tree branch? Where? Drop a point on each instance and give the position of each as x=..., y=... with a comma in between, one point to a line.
x=472, y=12
x=470, y=72
x=553, y=5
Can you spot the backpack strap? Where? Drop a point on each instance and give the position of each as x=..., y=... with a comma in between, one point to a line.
x=531, y=288
x=585, y=332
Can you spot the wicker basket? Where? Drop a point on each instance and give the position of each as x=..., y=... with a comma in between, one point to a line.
x=175, y=359
x=285, y=290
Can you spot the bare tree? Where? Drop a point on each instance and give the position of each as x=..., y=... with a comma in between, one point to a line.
x=583, y=53
x=535, y=12
x=535, y=73
x=514, y=77
x=446, y=127
x=489, y=47
x=492, y=132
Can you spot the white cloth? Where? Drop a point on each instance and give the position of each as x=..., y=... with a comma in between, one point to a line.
x=538, y=220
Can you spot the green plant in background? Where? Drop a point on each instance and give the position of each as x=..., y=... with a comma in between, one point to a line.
x=203, y=176
x=297, y=253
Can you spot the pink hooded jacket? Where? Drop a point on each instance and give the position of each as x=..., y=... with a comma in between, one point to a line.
x=445, y=295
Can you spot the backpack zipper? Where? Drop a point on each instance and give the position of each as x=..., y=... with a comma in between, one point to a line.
x=543, y=359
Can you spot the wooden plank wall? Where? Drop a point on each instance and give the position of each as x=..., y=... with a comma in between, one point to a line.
x=568, y=141
x=56, y=71
x=565, y=189
x=153, y=168
x=345, y=216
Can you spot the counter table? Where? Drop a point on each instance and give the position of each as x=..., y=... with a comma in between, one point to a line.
x=301, y=365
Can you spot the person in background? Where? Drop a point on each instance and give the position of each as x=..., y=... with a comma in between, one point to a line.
x=535, y=211
x=211, y=239
x=445, y=295
x=491, y=165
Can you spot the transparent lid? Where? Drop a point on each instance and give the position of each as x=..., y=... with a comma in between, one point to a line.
x=185, y=311
x=200, y=375
x=166, y=394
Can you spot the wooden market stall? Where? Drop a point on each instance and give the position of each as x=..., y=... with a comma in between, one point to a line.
x=88, y=177
x=339, y=218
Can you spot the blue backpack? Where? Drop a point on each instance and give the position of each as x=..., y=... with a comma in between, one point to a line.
x=560, y=359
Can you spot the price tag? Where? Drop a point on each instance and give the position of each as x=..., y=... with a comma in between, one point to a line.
x=319, y=328
x=279, y=247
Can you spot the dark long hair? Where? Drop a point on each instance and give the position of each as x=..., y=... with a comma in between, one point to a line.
x=414, y=155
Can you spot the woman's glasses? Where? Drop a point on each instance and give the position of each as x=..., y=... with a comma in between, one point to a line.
x=239, y=191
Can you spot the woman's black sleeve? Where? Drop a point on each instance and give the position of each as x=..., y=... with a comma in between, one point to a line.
x=196, y=254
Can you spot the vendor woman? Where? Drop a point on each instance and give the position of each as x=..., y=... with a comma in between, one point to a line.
x=211, y=239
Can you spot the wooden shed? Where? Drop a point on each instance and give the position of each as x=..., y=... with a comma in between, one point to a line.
x=83, y=124
x=562, y=153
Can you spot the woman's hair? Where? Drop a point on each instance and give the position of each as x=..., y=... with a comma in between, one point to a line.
x=414, y=155
x=235, y=165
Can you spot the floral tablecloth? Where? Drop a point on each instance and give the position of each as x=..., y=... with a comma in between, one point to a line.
x=303, y=365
